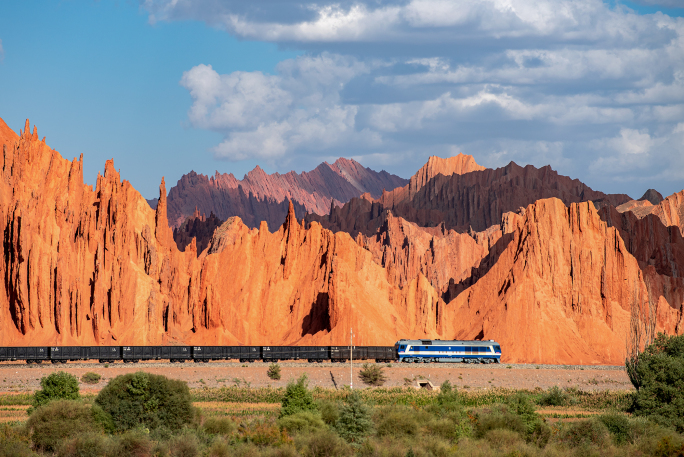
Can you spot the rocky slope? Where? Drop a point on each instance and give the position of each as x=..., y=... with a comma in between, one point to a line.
x=263, y=197
x=198, y=227
x=669, y=210
x=552, y=283
x=470, y=198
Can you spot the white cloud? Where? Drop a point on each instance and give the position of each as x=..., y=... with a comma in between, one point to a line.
x=571, y=83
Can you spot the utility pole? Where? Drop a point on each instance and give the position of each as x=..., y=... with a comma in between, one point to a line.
x=351, y=358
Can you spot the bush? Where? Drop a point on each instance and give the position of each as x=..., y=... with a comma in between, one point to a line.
x=14, y=442
x=659, y=379
x=323, y=443
x=354, y=421
x=541, y=434
x=619, y=427
x=330, y=413
x=60, y=420
x=520, y=404
x=372, y=374
x=302, y=422
x=86, y=445
x=133, y=443
x=219, y=448
x=555, y=396
x=91, y=378
x=184, y=445
x=56, y=386
x=497, y=417
x=274, y=371
x=297, y=398
x=590, y=432
x=397, y=421
x=219, y=426
x=448, y=397
x=143, y=399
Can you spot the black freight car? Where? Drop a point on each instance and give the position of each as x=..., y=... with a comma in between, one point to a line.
x=62, y=354
x=105, y=353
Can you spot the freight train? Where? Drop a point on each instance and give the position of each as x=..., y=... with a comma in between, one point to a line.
x=403, y=350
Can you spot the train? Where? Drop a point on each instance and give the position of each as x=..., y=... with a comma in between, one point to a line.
x=420, y=351
x=451, y=351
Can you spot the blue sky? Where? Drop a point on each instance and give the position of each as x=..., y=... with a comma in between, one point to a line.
x=595, y=89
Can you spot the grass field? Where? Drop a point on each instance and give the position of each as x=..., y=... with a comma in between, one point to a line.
x=244, y=402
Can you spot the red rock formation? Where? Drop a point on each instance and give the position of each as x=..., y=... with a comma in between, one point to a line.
x=670, y=210
x=101, y=267
x=553, y=284
x=198, y=227
x=561, y=291
x=474, y=200
x=263, y=197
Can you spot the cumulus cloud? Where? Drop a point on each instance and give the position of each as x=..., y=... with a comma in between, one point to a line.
x=576, y=84
x=665, y=3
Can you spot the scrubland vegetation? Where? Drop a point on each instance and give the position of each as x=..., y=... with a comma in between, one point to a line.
x=148, y=415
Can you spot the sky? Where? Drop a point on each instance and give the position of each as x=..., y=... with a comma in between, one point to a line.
x=593, y=88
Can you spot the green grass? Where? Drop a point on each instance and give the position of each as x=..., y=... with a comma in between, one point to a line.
x=588, y=400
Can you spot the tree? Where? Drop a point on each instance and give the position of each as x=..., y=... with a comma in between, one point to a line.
x=354, y=422
x=297, y=398
x=56, y=386
x=641, y=330
x=660, y=372
x=148, y=400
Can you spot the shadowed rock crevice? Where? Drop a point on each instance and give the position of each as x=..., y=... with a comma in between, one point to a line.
x=318, y=319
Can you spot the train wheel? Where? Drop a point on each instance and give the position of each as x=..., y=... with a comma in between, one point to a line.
x=29, y=362
x=197, y=361
x=38, y=361
x=205, y=361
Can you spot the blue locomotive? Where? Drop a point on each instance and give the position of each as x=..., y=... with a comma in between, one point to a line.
x=421, y=351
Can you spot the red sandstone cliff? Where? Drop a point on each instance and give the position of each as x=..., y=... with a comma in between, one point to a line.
x=263, y=197
x=470, y=198
x=552, y=283
x=670, y=210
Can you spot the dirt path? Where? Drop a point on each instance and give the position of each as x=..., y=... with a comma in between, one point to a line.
x=20, y=377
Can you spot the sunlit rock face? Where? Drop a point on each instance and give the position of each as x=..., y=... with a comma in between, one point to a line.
x=553, y=281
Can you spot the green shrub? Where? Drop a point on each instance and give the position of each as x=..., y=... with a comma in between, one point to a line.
x=556, y=396
x=322, y=443
x=133, y=443
x=219, y=426
x=14, y=442
x=354, y=422
x=147, y=400
x=521, y=405
x=372, y=374
x=448, y=429
x=330, y=412
x=448, y=397
x=60, y=420
x=397, y=421
x=219, y=448
x=658, y=375
x=86, y=445
x=184, y=445
x=91, y=378
x=297, y=398
x=274, y=371
x=497, y=417
x=619, y=427
x=589, y=432
x=502, y=438
x=541, y=434
x=302, y=422
x=56, y=386
x=15, y=449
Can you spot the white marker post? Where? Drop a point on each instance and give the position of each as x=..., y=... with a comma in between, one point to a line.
x=351, y=358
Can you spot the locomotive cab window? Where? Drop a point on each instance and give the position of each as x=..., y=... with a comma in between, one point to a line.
x=402, y=347
x=497, y=348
